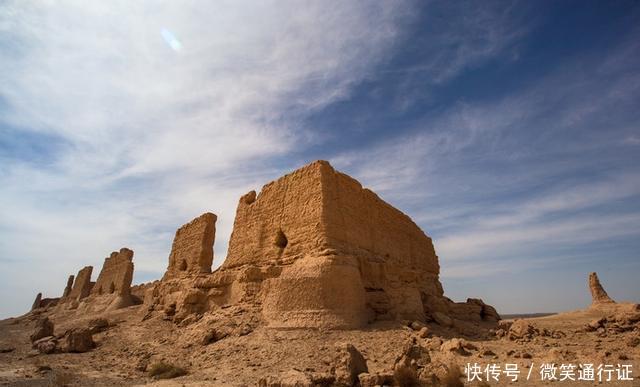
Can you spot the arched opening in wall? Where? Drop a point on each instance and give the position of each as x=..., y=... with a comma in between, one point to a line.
x=112, y=288
x=281, y=240
x=183, y=265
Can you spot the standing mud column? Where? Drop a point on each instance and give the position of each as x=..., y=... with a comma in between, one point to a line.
x=37, y=301
x=67, y=288
x=82, y=285
x=598, y=295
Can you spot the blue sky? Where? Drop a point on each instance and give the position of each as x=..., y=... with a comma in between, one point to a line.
x=508, y=130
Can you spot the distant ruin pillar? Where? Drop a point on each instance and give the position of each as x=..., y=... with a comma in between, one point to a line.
x=598, y=295
x=67, y=288
x=36, y=303
x=82, y=285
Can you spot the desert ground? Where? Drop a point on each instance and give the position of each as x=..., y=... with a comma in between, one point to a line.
x=228, y=347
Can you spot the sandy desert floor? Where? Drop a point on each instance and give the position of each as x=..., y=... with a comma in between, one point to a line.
x=230, y=347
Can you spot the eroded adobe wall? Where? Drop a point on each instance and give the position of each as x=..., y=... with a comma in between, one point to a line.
x=192, y=248
x=82, y=285
x=281, y=224
x=116, y=274
x=357, y=222
x=67, y=289
x=319, y=212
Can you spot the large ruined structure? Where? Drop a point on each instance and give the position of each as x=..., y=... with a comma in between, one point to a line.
x=314, y=249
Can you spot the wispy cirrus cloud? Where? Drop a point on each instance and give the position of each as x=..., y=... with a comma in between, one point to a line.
x=112, y=135
x=120, y=122
x=519, y=178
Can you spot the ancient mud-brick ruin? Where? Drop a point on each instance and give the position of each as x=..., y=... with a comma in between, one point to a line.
x=82, y=285
x=315, y=249
x=112, y=289
x=598, y=294
x=37, y=301
x=116, y=274
x=312, y=249
x=67, y=289
x=192, y=252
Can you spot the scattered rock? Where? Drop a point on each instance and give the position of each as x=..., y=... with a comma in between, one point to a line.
x=505, y=325
x=78, y=340
x=375, y=379
x=162, y=370
x=593, y=325
x=423, y=333
x=322, y=379
x=213, y=335
x=43, y=328
x=487, y=352
x=97, y=325
x=417, y=325
x=7, y=349
x=43, y=368
x=409, y=364
x=455, y=346
x=433, y=343
x=46, y=345
x=522, y=330
x=350, y=364
x=293, y=378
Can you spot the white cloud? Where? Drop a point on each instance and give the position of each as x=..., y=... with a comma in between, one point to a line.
x=501, y=178
x=151, y=136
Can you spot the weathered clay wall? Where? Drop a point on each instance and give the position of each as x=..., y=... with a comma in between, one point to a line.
x=192, y=248
x=67, y=289
x=318, y=212
x=398, y=263
x=281, y=224
x=116, y=274
x=357, y=222
x=82, y=285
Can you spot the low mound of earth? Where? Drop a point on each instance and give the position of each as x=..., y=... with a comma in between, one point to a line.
x=230, y=347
